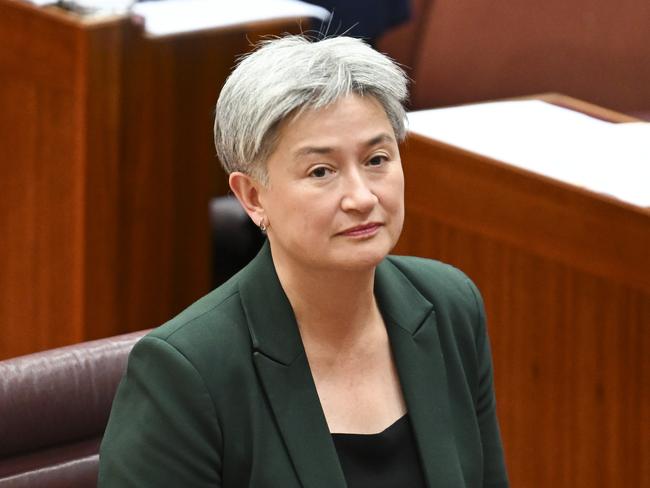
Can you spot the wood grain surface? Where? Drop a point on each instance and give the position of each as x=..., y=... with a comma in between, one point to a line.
x=565, y=275
x=107, y=169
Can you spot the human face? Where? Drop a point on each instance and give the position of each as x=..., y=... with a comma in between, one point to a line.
x=335, y=193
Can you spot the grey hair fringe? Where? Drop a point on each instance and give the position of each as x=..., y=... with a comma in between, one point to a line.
x=286, y=75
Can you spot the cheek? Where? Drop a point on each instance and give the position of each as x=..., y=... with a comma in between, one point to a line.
x=396, y=208
x=308, y=216
x=394, y=194
x=319, y=214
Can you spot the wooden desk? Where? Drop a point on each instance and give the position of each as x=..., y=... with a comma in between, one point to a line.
x=565, y=274
x=107, y=168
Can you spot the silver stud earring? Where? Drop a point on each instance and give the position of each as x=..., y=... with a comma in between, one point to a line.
x=262, y=226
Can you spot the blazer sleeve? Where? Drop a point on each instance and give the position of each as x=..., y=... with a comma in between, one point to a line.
x=494, y=469
x=163, y=428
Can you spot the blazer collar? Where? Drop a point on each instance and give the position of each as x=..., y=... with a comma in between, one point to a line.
x=413, y=332
x=280, y=360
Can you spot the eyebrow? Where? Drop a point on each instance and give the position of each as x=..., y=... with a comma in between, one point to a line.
x=307, y=150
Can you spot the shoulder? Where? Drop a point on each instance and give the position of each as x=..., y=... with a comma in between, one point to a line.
x=214, y=326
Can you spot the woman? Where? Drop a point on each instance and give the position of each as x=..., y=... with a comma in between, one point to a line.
x=325, y=362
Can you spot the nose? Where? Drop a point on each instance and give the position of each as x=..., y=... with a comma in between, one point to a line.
x=357, y=194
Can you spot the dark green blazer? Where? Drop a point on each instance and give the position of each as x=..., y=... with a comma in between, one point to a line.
x=222, y=395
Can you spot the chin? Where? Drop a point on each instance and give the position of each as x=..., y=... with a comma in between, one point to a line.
x=363, y=259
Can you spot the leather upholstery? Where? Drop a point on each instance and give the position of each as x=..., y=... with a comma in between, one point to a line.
x=54, y=406
x=465, y=52
x=235, y=238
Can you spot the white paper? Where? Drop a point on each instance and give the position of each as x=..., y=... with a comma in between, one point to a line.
x=168, y=17
x=569, y=146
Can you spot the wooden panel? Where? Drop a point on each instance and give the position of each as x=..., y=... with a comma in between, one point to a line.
x=100, y=108
x=108, y=167
x=51, y=53
x=594, y=233
x=40, y=282
x=565, y=275
x=60, y=119
x=169, y=168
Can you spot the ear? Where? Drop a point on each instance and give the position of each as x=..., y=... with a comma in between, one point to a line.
x=247, y=190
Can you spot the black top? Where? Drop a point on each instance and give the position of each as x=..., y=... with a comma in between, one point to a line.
x=388, y=459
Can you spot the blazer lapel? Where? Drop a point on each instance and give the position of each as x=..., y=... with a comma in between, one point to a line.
x=411, y=323
x=281, y=363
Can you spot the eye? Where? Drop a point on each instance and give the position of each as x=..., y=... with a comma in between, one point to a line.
x=377, y=160
x=320, y=172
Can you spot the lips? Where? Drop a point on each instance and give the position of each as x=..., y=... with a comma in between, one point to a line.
x=361, y=230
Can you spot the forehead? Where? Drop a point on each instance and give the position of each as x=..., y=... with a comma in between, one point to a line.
x=350, y=118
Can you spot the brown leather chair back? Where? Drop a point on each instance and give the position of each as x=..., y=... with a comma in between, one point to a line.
x=54, y=406
x=474, y=50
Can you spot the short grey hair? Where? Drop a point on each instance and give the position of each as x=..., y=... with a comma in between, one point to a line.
x=286, y=75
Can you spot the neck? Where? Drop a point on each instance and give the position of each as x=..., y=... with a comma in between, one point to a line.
x=331, y=307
